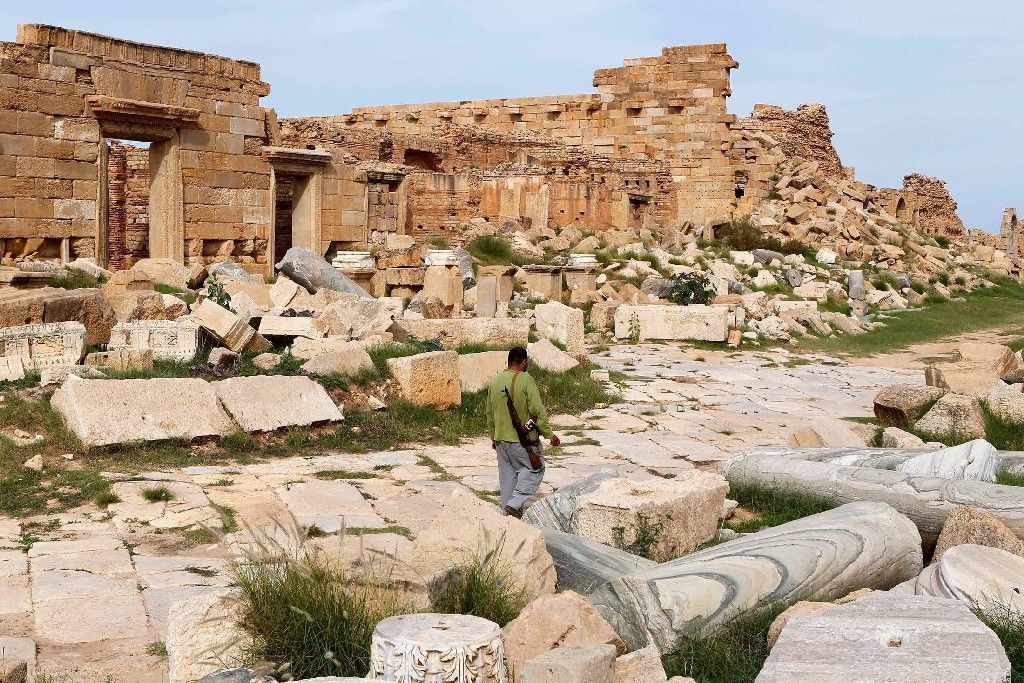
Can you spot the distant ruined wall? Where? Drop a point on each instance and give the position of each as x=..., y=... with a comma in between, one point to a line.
x=803, y=133
x=934, y=211
x=1010, y=234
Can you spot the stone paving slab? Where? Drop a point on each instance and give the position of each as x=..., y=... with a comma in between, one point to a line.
x=329, y=505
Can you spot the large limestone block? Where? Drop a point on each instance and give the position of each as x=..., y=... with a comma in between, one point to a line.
x=901, y=405
x=169, y=272
x=883, y=637
x=203, y=634
x=580, y=664
x=1006, y=401
x=977, y=527
x=47, y=345
x=102, y=412
x=443, y=283
x=802, y=608
x=979, y=365
x=640, y=666
x=698, y=322
x=602, y=314
x=825, y=432
x=167, y=339
x=981, y=577
x=562, y=324
x=313, y=272
x=455, y=332
x=52, y=305
x=348, y=362
x=264, y=403
x=976, y=459
x=476, y=370
x=548, y=356
x=130, y=305
x=356, y=317
x=453, y=648
x=465, y=527
x=554, y=621
x=956, y=416
x=227, y=328
x=685, y=509
x=820, y=557
x=244, y=294
x=329, y=506
x=288, y=326
x=429, y=379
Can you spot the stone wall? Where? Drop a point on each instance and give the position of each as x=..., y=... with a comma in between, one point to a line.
x=127, y=204
x=803, y=133
x=933, y=209
x=1010, y=234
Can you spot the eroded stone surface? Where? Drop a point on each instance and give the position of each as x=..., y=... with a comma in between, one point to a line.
x=264, y=403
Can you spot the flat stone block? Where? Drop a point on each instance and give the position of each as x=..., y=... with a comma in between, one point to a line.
x=429, y=379
x=476, y=370
x=264, y=403
x=697, y=322
x=167, y=339
x=103, y=412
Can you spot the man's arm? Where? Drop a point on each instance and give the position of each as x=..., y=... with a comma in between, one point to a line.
x=535, y=407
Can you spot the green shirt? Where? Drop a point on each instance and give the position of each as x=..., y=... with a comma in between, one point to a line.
x=526, y=399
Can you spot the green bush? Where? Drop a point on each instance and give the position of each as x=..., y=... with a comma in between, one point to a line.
x=1008, y=624
x=483, y=588
x=157, y=494
x=773, y=507
x=942, y=241
x=741, y=234
x=489, y=250
x=216, y=293
x=645, y=536
x=72, y=279
x=691, y=288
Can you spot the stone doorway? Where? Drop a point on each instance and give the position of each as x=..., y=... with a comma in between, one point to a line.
x=294, y=212
x=127, y=203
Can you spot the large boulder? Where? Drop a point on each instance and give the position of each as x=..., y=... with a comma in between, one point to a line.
x=171, y=273
x=956, y=416
x=546, y=355
x=886, y=637
x=901, y=405
x=455, y=332
x=1006, y=401
x=979, y=365
x=203, y=634
x=355, y=317
x=476, y=370
x=265, y=403
x=976, y=459
x=579, y=664
x=552, y=621
x=825, y=432
x=977, y=527
x=102, y=412
x=465, y=528
x=53, y=305
x=307, y=268
x=669, y=323
x=640, y=666
x=562, y=324
x=429, y=379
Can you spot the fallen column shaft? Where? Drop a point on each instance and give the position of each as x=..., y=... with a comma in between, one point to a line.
x=925, y=500
x=821, y=557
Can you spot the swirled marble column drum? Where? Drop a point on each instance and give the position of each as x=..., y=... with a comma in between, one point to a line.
x=821, y=557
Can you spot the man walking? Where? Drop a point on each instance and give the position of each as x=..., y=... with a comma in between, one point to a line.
x=516, y=419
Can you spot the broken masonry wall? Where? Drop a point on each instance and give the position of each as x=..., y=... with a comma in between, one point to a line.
x=934, y=208
x=803, y=132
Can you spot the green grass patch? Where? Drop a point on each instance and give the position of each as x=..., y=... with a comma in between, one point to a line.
x=330, y=475
x=1008, y=624
x=483, y=588
x=489, y=250
x=733, y=653
x=1010, y=478
x=183, y=294
x=983, y=308
x=158, y=494
x=72, y=279
x=773, y=507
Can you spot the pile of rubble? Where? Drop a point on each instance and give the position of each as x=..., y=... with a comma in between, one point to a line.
x=950, y=402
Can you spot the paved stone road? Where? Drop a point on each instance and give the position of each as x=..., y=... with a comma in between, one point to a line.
x=94, y=592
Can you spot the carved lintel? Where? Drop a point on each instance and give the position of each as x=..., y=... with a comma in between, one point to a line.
x=137, y=111
x=297, y=159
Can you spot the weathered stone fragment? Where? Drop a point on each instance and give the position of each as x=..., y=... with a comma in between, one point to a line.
x=348, y=362
x=583, y=565
x=979, y=365
x=264, y=403
x=311, y=271
x=171, y=273
x=821, y=557
x=121, y=360
x=702, y=323
x=476, y=370
x=825, y=433
x=51, y=305
x=562, y=324
x=102, y=412
x=455, y=332
x=167, y=339
x=579, y=664
x=1006, y=401
x=976, y=459
x=356, y=317
x=640, y=666
x=288, y=327
x=546, y=355
x=429, y=379
x=47, y=345
x=553, y=621
x=982, y=577
x=476, y=643
x=227, y=328
x=913, y=639
x=954, y=416
x=977, y=527
x=901, y=405
x=203, y=634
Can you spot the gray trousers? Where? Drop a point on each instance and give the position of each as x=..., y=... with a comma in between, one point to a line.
x=517, y=480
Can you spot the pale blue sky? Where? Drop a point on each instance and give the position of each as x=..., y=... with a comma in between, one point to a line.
x=931, y=86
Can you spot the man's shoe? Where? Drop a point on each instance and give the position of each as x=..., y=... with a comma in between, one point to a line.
x=513, y=512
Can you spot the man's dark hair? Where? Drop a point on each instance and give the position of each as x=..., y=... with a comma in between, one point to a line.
x=516, y=355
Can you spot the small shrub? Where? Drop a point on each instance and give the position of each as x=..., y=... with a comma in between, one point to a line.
x=1008, y=624
x=489, y=250
x=918, y=286
x=741, y=234
x=483, y=588
x=157, y=494
x=634, y=329
x=72, y=279
x=942, y=241
x=691, y=288
x=793, y=246
x=216, y=293
x=645, y=536
x=107, y=498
